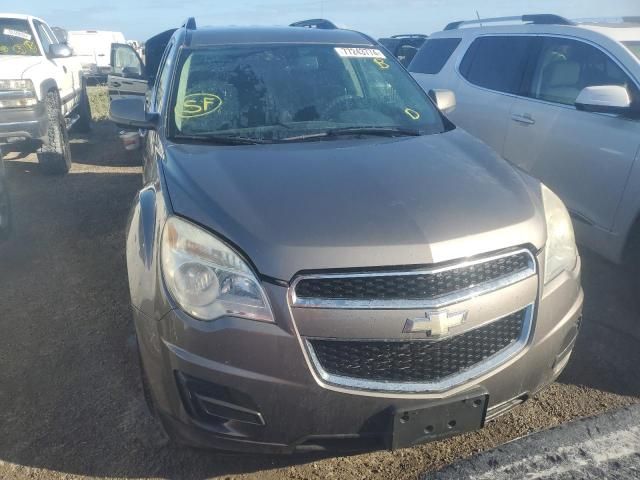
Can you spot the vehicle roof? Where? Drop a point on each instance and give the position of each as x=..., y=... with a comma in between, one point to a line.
x=20, y=16
x=204, y=36
x=614, y=31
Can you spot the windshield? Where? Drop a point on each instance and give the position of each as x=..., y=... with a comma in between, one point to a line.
x=16, y=38
x=296, y=92
x=634, y=47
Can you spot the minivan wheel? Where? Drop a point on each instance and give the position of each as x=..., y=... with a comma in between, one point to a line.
x=83, y=125
x=55, y=154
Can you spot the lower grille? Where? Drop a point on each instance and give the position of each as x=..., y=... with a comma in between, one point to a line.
x=420, y=361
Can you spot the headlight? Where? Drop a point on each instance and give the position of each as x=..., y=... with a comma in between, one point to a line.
x=17, y=93
x=207, y=278
x=561, y=252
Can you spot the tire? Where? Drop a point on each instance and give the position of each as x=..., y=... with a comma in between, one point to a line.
x=55, y=154
x=83, y=125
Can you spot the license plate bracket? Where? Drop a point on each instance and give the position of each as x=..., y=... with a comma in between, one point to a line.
x=413, y=426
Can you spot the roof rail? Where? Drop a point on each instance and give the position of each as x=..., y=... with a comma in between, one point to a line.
x=319, y=23
x=410, y=35
x=190, y=23
x=540, y=19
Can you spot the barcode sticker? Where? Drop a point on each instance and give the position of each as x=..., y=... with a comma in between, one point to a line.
x=16, y=33
x=359, y=52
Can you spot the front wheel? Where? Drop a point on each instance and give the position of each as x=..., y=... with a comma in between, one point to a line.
x=55, y=154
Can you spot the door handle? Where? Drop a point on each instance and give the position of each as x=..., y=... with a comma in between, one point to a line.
x=116, y=84
x=525, y=118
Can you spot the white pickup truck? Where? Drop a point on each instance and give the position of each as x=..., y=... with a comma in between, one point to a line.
x=42, y=90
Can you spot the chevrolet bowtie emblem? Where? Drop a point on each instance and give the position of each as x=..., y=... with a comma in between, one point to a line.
x=435, y=324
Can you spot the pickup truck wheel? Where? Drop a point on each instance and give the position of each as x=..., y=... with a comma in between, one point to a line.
x=83, y=125
x=55, y=154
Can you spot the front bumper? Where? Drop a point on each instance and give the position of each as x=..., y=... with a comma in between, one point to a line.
x=23, y=123
x=266, y=398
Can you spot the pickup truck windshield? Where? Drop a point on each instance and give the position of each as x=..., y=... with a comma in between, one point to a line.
x=634, y=47
x=279, y=93
x=16, y=38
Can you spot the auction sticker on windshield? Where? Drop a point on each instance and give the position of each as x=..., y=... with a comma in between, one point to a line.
x=359, y=52
x=16, y=33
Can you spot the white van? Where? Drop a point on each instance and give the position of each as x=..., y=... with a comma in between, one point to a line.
x=94, y=49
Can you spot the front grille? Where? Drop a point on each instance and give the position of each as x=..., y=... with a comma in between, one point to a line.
x=412, y=285
x=421, y=361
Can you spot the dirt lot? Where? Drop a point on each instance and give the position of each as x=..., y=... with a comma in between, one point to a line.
x=70, y=399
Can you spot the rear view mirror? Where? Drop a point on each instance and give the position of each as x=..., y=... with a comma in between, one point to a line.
x=445, y=100
x=604, y=99
x=131, y=112
x=60, y=50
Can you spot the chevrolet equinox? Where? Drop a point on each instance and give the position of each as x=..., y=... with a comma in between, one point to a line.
x=319, y=259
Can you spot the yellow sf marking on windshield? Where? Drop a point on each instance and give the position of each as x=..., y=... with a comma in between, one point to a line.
x=381, y=63
x=199, y=105
x=411, y=113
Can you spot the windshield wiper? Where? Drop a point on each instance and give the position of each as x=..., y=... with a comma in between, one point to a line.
x=222, y=139
x=375, y=131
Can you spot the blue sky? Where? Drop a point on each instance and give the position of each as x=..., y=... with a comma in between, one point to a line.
x=140, y=19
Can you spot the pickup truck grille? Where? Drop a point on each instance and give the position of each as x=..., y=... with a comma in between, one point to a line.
x=419, y=361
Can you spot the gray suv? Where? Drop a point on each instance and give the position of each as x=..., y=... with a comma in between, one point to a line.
x=319, y=259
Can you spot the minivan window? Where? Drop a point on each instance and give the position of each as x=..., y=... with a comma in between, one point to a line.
x=16, y=38
x=433, y=55
x=497, y=62
x=291, y=92
x=565, y=66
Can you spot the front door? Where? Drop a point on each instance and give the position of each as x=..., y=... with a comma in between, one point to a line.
x=127, y=77
x=584, y=157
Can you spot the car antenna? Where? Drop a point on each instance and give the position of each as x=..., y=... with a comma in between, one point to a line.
x=478, y=15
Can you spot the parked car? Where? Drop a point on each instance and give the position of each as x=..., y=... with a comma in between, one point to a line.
x=562, y=102
x=319, y=259
x=93, y=47
x=42, y=90
x=5, y=203
x=403, y=47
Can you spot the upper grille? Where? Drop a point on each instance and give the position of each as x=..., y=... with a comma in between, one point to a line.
x=412, y=285
x=420, y=361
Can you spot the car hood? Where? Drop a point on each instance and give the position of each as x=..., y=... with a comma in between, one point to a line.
x=13, y=66
x=355, y=203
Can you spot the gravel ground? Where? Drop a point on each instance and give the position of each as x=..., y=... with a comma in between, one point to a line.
x=70, y=400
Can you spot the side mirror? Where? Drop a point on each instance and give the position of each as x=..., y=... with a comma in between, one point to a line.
x=131, y=112
x=445, y=100
x=604, y=99
x=131, y=72
x=60, y=50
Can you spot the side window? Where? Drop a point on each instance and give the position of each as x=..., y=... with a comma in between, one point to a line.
x=433, y=55
x=164, y=73
x=42, y=35
x=566, y=66
x=125, y=61
x=498, y=63
x=52, y=35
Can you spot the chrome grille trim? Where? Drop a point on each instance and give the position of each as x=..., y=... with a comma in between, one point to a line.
x=406, y=304
x=452, y=381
